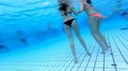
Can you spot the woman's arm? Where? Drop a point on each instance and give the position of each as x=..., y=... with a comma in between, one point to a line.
x=76, y=12
x=106, y=17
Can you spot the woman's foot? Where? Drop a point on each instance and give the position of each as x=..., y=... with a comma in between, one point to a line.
x=108, y=47
x=88, y=53
x=103, y=51
x=75, y=60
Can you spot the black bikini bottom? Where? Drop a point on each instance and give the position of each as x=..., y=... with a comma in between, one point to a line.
x=69, y=22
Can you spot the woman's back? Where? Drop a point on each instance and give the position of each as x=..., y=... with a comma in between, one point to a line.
x=89, y=9
x=66, y=11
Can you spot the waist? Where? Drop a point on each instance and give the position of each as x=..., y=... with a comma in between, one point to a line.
x=98, y=15
x=68, y=18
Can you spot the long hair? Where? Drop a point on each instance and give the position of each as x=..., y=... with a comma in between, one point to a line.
x=89, y=1
x=63, y=7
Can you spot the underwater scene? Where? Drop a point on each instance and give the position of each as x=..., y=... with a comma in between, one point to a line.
x=63, y=35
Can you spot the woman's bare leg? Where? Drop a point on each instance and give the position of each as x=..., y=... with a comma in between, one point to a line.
x=77, y=31
x=95, y=30
x=69, y=33
x=105, y=41
x=102, y=37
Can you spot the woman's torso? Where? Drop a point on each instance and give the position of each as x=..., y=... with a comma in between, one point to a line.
x=89, y=9
x=67, y=15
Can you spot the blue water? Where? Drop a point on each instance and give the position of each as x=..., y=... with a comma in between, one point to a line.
x=32, y=30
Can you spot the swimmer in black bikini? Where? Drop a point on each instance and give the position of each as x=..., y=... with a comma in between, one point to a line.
x=69, y=23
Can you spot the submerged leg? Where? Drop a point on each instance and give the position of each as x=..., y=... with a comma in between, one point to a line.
x=103, y=37
x=95, y=30
x=77, y=31
x=69, y=33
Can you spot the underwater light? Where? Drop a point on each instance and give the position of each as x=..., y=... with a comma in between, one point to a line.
x=45, y=3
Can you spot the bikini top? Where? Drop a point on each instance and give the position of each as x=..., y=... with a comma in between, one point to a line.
x=64, y=9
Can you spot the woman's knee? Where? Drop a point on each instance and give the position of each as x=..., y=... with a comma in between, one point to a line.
x=94, y=33
x=78, y=35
